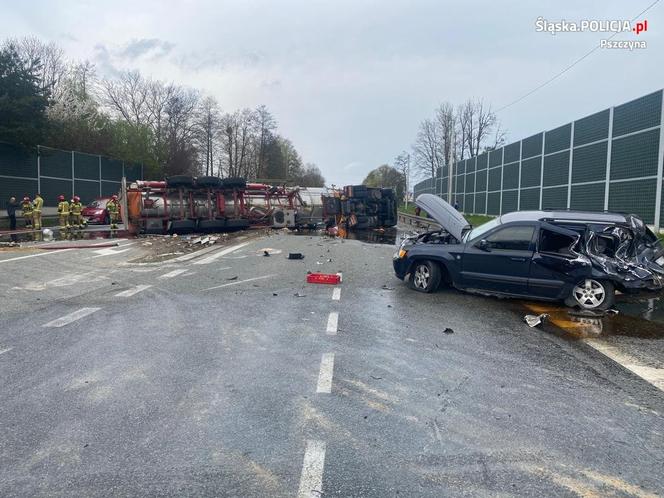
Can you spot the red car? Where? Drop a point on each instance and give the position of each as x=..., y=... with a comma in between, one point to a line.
x=96, y=213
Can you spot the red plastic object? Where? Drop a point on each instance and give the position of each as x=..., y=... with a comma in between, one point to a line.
x=324, y=278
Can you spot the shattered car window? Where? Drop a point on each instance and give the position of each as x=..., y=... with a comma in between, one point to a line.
x=556, y=243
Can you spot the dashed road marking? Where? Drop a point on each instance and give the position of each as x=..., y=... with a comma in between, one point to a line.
x=325, y=374
x=132, y=291
x=332, y=323
x=336, y=293
x=6, y=350
x=653, y=375
x=109, y=251
x=71, y=317
x=223, y=252
x=173, y=273
x=240, y=282
x=34, y=255
x=311, y=480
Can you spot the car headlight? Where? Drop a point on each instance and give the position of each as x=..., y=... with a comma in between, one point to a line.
x=402, y=253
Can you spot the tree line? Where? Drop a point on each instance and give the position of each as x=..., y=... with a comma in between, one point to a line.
x=50, y=100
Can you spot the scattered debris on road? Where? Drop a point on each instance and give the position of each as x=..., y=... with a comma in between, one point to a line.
x=295, y=255
x=297, y=294
x=324, y=278
x=387, y=287
x=448, y=331
x=535, y=320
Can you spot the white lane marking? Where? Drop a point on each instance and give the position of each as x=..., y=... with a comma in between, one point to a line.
x=5, y=350
x=311, y=480
x=332, y=323
x=109, y=251
x=221, y=253
x=173, y=273
x=71, y=317
x=336, y=293
x=34, y=255
x=239, y=282
x=325, y=374
x=654, y=376
x=132, y=291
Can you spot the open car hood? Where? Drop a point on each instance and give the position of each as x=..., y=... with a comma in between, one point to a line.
x=444, y=214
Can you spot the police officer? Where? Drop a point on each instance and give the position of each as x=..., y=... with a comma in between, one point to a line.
x=113, y=207
x=63, y=212
x=37, y=205
x=75, y=209
x=26, y=206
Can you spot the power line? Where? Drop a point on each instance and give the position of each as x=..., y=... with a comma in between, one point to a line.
x=563, y=71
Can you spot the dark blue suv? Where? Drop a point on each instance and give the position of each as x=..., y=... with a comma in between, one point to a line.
x=573, y=256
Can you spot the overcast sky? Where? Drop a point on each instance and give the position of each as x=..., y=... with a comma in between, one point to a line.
x=349, y=81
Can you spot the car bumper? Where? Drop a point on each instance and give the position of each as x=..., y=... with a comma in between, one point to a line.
x=400, y=267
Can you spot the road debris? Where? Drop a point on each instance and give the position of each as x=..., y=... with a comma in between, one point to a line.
x=232, y=278
x=295, y=255
x=535, y=320
x=266, y=254
x=448, y=331
x=387, y=287
x=324, y=278
x=297, y=294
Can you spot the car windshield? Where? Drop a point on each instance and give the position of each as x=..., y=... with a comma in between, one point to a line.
x=477, y=232
x=95, y=204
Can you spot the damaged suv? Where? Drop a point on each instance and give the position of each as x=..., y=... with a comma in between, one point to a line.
x=577, y=257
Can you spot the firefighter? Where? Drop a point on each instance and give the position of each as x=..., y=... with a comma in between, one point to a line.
x=113, y=208
x=75, y=209
x=26, y=206
x=63, y=212
x=37, y=205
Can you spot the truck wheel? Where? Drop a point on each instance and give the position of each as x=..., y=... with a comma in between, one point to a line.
x=234, y=182
x=590, y=294
x=425, y=276
x=208, y=181
x=180, y=181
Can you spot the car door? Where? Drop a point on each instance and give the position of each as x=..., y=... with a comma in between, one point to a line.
x=500, y=260
x=556, y=264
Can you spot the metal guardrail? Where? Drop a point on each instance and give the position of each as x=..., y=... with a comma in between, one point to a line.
x=417, y=221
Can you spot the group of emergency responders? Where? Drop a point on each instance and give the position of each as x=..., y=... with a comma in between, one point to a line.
x=69, y=212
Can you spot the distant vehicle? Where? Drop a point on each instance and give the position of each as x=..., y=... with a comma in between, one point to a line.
x=578, y=257
x=96, y=213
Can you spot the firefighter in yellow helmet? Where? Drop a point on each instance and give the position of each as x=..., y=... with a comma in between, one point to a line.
x=113, y=208
x=63, y=212
x=37, y=205
x=75, y=208
x=26, y=206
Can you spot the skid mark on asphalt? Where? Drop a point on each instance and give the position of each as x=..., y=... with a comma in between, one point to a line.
x=71, y=317
x=240, y=282
x=332, y=323
x=311, y=481
x=325, y=374
x=133, y=291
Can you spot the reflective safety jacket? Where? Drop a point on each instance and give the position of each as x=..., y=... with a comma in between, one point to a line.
x=27, y=208
x=112, y=206
x=63, y=207
x=37, y=204
x=76, y=207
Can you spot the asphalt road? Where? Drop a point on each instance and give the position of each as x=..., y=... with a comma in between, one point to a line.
x=227, y=375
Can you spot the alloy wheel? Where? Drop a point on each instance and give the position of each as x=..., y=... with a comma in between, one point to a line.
x=422, y=276
x=589, y=293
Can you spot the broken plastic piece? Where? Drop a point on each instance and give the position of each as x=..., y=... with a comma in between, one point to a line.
x=266, y=253
x=535, y=320
x=448, y=331
x=324, y=278
x=295, y=255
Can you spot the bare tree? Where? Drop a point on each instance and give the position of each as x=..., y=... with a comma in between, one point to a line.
x=127, y=97
x=210, y=128
x=402, y=165
x=427, y=148
x=237, y=138
x=477, y=123
x=46, y=61
x=265, y=125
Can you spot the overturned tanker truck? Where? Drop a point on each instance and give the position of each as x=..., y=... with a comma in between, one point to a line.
x=184, y=204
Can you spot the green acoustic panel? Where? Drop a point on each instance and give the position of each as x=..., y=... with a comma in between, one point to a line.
x=510, y=175
x=461, y=167
x=86, y=166
x=470, y=183
x=51, y=189
x=493, y=203
x=532, y=146
x=661, y=208
x=591, y=128
x=480, y=180
x=531, y=170
x=468, y=203
x=589, y=163
x=637, y=197
x=111, y=169
x=87, y=190
x=638, y=114
x=15, y=161
x=445, y=171
x=55, y=163
x=496, y=157
x=482, y=161
x=480, y=202
x=554, y=198
x=510, y=201
x=439, y=171
x=470, y=164
x=530, y=198
x=556, y=169
x=558, y=139
x=512, y=152
x=495, y=178
x=589, y=197
x=635, y=155
x=135, y=172
x=16, y=187
x=110, y=188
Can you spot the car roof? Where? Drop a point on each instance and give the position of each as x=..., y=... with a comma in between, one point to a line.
x=564, y=215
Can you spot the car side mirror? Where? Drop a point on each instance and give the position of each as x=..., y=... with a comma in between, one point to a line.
x=483, y=245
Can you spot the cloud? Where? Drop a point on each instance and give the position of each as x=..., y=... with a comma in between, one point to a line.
x=152, y=47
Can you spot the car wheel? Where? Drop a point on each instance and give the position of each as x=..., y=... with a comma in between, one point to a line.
x=425, y=276
x=592, y=294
